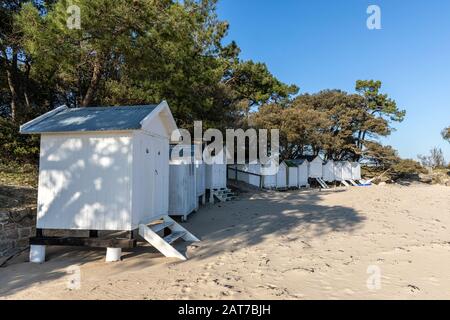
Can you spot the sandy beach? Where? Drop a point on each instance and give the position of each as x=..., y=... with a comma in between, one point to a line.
x=271, y=245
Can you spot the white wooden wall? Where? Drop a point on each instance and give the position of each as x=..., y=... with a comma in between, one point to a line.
x=328, y=171
x=346, y=170
x=282, y=176
x=182, y=192
x=200, y=178
x=85, y=181
x=150, y=193
x=216, y=176
x=303, y=174
x=338, y=170
x=356, y=171
x=315, y=168
x=292, y=177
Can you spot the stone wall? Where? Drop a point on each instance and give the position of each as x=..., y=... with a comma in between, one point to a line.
x=16, y=226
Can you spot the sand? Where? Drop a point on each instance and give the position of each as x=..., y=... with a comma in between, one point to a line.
x=272, y=245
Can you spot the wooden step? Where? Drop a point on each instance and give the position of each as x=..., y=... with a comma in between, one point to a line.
x=161, y=226
x=174, y=236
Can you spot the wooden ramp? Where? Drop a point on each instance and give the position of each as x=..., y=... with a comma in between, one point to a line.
x=152, y=234
x=322, y=183
x=345, y=183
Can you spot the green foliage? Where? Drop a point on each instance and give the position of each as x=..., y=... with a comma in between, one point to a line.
x=382, y=156
x=446, y=134
x=144, y=51
x=17, y=147
x=405, y=168
x=126, y=52
x=332, y=122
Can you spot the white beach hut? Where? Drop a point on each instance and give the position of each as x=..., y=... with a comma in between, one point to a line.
x=274, y=178
x=356, y=171
x=183, y=199
x=338, y=170
x=292, y=174
x=216, y=173
x=269, y=176
x=346, y=170
x=200, y=174
x=102, y=168
x=282, y=176
x=303, y=174
x=328, y=171
x=315, y=166
x=302, y=171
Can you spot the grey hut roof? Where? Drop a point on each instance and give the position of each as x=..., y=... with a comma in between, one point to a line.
x=295, y=162
x=300, y=160
x=65, y=119
x=291, y=163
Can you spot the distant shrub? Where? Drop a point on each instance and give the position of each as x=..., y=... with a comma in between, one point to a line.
x=404, y=168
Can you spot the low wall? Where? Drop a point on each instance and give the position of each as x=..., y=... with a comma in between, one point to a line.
x=16, y=226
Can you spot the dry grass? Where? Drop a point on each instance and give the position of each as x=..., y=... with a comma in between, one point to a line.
x=18, y=184
x=20, y=175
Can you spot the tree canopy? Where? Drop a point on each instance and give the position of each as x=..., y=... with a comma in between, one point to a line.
x=137, y=52
x=333, y=123
x=446, y=134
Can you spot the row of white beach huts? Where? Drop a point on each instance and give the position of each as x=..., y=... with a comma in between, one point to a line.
x=299, y=173
x=191, y=180
x=109, y=169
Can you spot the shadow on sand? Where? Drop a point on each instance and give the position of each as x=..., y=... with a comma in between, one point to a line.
x=245, y=222
x=257, y=215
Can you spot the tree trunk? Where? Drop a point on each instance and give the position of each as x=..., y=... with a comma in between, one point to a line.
x=25, y=84
x=12, y=88
x=96, y=75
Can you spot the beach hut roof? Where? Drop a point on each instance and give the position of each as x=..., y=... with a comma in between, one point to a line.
x=308, y=158
x=297, y=162
x=291, y=163
x=119, y=118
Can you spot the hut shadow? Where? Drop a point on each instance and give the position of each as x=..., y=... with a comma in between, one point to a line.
x=256, y=216
x=18, y=274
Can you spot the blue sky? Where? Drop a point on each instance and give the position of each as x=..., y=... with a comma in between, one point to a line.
x=325, y=44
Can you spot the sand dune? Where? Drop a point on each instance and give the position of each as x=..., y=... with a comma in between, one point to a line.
x=269, y=245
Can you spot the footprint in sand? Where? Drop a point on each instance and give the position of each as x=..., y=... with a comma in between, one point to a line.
x=203, y=277
x=412, y=288
x=186, y=289
x=209, y=266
